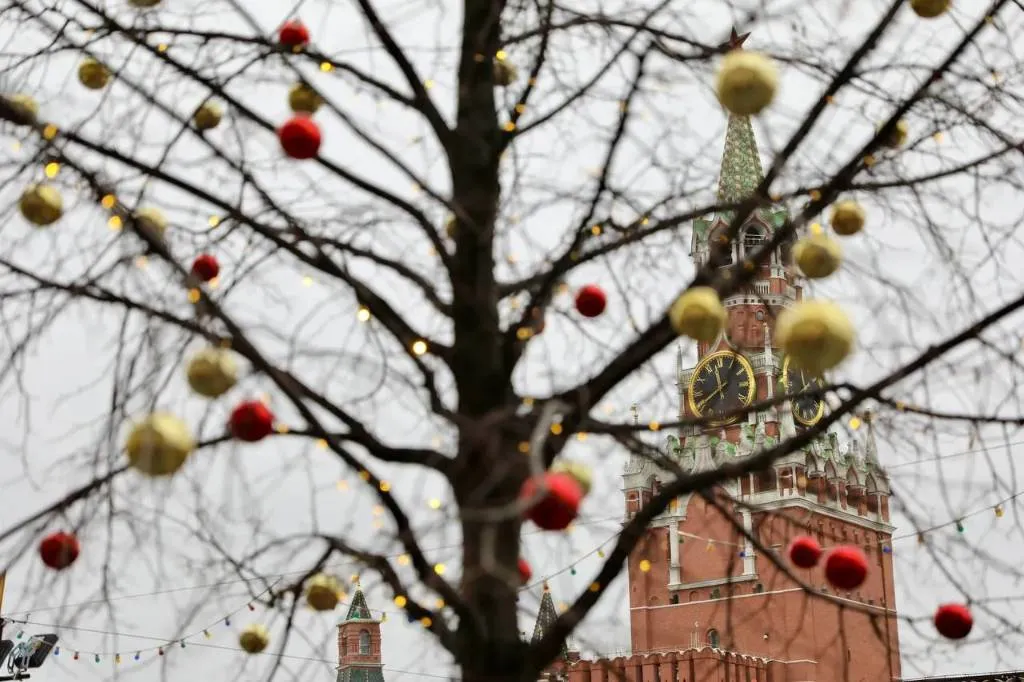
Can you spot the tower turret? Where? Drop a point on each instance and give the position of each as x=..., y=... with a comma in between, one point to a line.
x=359, y=643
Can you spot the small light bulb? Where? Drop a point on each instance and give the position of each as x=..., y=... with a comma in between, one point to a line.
x=419, y=347
x=363, y=314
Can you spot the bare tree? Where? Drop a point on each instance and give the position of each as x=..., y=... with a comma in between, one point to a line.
x=471, y=174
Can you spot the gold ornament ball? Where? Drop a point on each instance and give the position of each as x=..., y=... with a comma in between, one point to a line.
x=207, y=116
x=212, y=372
x=746, y=82
x=847, y=218
x=817, y=256
x=143, y=4
x=25, y=105
x=159, y=444
x=505, y=74
x=322, y=592
x=929, y=9
x=304, y=99
x=816, y=335
x=93, y=75
x=41, y=205
x=699, y=314
x=579, y=471
x=152, y=219
x=254, y=639
x=899, y=135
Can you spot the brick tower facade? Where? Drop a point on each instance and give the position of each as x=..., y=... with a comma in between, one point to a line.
x=704, y=605
x=359, y=643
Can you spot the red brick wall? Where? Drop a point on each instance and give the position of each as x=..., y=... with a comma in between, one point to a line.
x=348, y=643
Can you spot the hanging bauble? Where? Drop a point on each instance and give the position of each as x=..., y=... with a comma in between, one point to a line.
x=953, y=621
x=41, y=205
x=254, y=639
x=25, y=106
x=525, y=572
x=804, y=552
x=205, y=267
x=251, y=421
x=578, y=470
x=505, y=74
x=300, y=137
x=591, y=300
x=698, y=314
x=817, y=256
x=151, y=220
x=557, y=506
x=322, y=592
x=929, y=9
x=59, y=550
x=208, y=116
x=212, y=372
x=746, y=82
x=293, y=34
x=898, y=137
x=92, y=74
x=159, y=445
x=846, y=567
x=303, y=99
x=847, y=218
x=817, y=335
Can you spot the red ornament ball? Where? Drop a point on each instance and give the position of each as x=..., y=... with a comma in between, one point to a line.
x=59, y=550
x=293, y=34
x=560, y=502
x=591, y=301
x=953, y=621
x=300, y=137
x=205, y=267
x=846, y=567
x=525, y=572
x=804, y=552
x=251, y=421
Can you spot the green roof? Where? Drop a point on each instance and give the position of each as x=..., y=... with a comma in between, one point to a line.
x=361, y=674
x=357, y=609
x=741, y=162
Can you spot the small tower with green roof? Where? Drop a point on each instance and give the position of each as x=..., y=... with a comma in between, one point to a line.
x=546, y=617
x=359, y=643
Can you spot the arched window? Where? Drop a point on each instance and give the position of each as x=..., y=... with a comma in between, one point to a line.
x=753, y=238
x=713, y=639
x=364, y=642
x=720, y=248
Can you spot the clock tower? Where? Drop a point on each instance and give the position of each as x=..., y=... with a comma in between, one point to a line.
x=695, y=581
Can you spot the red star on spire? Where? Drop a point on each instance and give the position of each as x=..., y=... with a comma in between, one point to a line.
x=735, y=41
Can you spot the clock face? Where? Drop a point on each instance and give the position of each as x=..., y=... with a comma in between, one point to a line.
x=807, y=410
x=721, y=383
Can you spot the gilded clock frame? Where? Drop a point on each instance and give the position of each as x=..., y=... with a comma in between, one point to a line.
x=821, y=400
x=707, y=360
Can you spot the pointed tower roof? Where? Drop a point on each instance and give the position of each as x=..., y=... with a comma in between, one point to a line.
x=741, y=162
x=357, y=608
x=546, y=618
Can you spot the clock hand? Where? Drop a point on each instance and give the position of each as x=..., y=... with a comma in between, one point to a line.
x=701, y=404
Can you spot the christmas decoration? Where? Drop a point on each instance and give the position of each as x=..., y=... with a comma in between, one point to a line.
x=207, y=116
x=254, y=639
x=816, y=335
x=558, y=504
x=746, y=82
x=929, y=9
x=300, y=137
x=817, y=256
x=579, y=471
x=505, y=74
x=847, y=218
x=25, y=105
x=251, y=421
x=804, y=552
x=92, y=74
x=159, y=445
x=525, y=572
x=898, y=136
x=41, y=205
x=591, y=300
x=323, y=592
x=293, y=34
x=304, y=99
x=846, y=567
x=212, y=372
x=142, y=4
x=699, y=314
x=205, y=267
x=953, y=621
x=59, y=550
x=151, y=220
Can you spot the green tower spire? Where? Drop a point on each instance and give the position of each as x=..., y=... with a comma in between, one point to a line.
x=357, y=609
x=741, y=163
x=546, y=618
